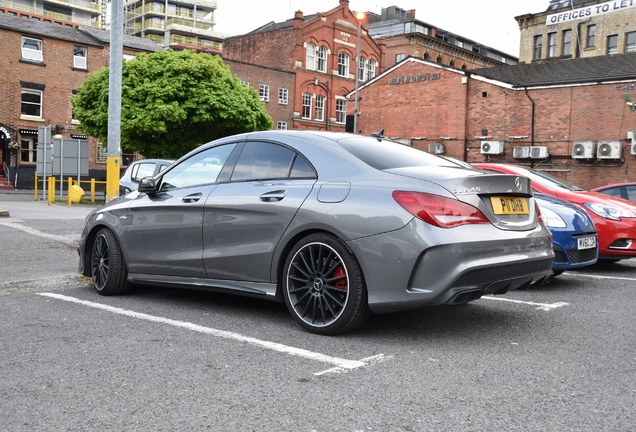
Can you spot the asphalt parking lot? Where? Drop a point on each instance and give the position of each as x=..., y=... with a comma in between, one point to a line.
x=558, y=357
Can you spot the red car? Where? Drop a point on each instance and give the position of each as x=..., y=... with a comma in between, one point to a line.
x=615, y=218
x=625, y=190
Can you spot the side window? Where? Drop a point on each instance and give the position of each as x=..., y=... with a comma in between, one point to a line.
x=302, y=169
x=262, y=161
x=199, y=169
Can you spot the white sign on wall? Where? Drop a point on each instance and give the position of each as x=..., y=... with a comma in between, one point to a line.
x=590, y=11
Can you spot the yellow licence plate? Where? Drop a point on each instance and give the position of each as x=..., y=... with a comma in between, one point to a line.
x=509, y=205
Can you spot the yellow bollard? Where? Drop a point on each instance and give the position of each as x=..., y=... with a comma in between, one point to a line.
x=51, y=190
x=35, y=191
x=92, y=191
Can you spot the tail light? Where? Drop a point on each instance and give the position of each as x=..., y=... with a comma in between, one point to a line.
x=438, y=210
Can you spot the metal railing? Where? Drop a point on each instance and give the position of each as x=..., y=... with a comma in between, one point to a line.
x=70, y=182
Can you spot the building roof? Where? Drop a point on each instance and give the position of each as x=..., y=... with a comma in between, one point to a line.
x=273, y=26
x=42, y=28
x=133, y=42
x=567, y=71
x=82, y=35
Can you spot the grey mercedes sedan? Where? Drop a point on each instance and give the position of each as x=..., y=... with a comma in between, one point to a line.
x=337, y=226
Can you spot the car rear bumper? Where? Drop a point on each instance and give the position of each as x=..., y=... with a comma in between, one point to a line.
x=403, y=272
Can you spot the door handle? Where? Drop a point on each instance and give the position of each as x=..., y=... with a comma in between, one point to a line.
x=272, y=196
x=191, y=198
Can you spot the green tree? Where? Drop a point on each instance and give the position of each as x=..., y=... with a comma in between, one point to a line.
x=172, y=101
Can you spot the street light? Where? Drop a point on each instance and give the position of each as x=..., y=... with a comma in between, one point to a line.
x=326, y=111
x=359, y=17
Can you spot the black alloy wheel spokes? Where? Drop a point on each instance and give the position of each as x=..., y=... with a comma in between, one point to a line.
x=318, y=284
x=100, y=262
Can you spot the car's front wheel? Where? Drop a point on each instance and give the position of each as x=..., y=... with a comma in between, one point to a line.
x=324, y=287
x=108, y=269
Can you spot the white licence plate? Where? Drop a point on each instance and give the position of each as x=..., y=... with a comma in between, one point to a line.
x=587, y=242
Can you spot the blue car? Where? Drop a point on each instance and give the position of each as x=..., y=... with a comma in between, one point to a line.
x=574, y=234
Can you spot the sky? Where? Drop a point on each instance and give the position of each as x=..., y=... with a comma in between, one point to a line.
x=490, y=22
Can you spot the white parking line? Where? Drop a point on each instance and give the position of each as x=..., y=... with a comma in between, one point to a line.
x=339, y=363
x=29, y=230
x=541, y=306
x=600, y=277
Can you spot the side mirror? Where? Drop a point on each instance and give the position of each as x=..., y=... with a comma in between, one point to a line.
x=148, y=185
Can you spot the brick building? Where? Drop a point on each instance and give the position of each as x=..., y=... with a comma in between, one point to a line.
x=321, y=52
x=578, y=28
x=401, y=35
x=570, y=115
x=42, y=64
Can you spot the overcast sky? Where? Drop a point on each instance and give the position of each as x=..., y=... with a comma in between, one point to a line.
x=490, y=22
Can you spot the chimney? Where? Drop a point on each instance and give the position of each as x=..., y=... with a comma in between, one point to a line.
x=298, y=19
x=344, y=3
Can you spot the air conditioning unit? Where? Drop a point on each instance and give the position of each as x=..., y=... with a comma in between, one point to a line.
x=583, y=149
x=521, y=152
x=539, y=152
x=491, y=147
x=633, y=138
x=608, y=150
x=436, y=148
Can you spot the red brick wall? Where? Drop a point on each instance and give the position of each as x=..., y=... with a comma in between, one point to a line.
x=448, y=107
x=276, y=79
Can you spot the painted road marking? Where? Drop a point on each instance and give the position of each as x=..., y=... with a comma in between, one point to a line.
x=600, y=277
x=29, y=230
x=339, y=363
x=541, y=306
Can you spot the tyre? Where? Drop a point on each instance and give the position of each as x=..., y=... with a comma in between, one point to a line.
x=323, y=286
x=108, y=269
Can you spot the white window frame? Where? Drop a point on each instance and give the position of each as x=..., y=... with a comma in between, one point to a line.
x=307, y=106
x=320, y=108
x=40, y=93
x=566, y=42
x=630, y=46
x=245, y=83
x=310, y=56
x=552, y=44
x=79, y=57
x=612, y=49
x=362, y=68
x=321, y=59
x=343, y=64
x=283, y=96
x=341, y=110
x=32, y=54
x=370, y=69
x=30, y=150
x=281, y=125
x=263, y=92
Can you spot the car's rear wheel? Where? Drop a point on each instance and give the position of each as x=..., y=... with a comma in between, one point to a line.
x=108, y=269
x=324, y=286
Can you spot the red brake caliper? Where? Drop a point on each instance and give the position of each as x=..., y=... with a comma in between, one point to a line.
x=340, y=283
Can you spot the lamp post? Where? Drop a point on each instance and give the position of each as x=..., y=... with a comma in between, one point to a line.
x=326, y=107
x=359, y=17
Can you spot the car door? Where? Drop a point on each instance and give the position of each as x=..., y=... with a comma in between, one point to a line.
x=164, y=231
x=246, y=217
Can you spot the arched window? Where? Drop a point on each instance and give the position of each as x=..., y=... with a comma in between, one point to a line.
x=370, y=69
x=310, y=60
x=343, y=64
x=452, y=63
x=362, y=65
x=440, y=59
x=427, y=56
x=322, y=59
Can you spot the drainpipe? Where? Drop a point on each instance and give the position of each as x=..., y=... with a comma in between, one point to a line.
x=532, y=123
x=466, y=104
